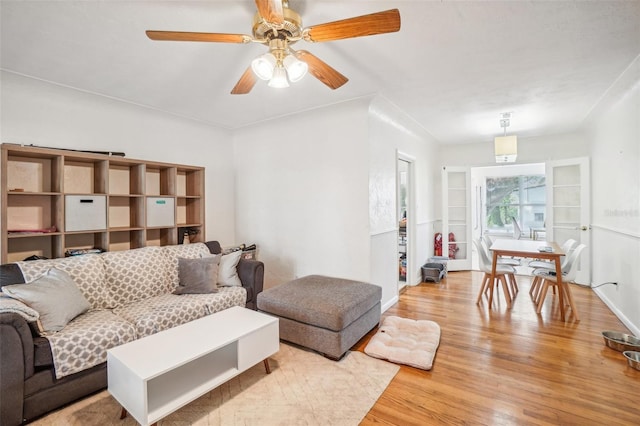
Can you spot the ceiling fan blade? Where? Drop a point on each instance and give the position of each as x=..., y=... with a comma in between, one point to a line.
x=321, y=70
x=245, y=84
x=365, y=25
x=271, y=11
x=189, y=36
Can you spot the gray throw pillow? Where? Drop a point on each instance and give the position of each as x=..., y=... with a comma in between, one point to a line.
x=54, y=295
x=198, y=276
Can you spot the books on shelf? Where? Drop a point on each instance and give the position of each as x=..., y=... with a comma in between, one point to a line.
x=78, y=252
x=33, y=231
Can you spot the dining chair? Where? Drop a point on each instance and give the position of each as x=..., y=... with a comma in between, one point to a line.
x=567, y=247
x=501, y=272
x=573, y=259
x=510, y=261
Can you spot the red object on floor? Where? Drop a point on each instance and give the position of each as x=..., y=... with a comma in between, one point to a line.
x=453, y=248
x=437, y=244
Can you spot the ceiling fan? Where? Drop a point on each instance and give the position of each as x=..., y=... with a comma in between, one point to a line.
x=279, y=27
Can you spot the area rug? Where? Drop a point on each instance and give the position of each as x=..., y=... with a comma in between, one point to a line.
x=406, y=341
x=304, y=388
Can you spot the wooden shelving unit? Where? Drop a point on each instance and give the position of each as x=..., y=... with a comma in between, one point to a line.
x=143, y=203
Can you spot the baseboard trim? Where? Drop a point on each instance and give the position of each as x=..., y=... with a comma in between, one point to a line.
x=632, y=327
x=390, y=303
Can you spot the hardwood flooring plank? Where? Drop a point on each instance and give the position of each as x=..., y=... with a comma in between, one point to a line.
x=504, y=366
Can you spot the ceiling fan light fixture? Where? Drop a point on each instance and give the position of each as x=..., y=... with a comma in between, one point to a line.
x=296, y=69
x=279, y=79
x=277, y=26
x=264, y=66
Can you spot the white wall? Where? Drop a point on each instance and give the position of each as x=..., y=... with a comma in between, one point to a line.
x=44, y=114
x=614, y=134
x=392, y=131
x=302, y=192
x=317, y=192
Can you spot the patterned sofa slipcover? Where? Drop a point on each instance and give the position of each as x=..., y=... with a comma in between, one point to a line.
x=130, y=297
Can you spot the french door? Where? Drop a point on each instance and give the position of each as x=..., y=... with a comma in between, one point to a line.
x=456, y=217
x=568, y=208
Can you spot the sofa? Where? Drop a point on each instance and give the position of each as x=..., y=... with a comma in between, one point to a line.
x=129, y=294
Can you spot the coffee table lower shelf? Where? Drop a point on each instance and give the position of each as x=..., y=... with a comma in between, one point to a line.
x=156, y=375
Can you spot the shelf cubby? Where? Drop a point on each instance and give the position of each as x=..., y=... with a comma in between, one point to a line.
x=126, y=239
x=189, y=212
x=84, y=175
x=160, y=181
x=46, y=245
x=85, y=240
x=161, y=236
x=125, y=211
x=126, y=178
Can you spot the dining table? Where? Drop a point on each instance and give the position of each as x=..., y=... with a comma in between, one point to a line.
x=548, y=250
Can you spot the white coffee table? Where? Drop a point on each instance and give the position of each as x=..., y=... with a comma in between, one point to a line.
x=154, y=376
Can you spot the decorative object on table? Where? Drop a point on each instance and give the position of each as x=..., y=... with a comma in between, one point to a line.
x=621, y=341
x=406, y=341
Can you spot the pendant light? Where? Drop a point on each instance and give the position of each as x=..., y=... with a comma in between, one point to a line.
x=505, y=147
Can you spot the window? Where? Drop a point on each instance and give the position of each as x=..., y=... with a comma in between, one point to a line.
x=520, y=197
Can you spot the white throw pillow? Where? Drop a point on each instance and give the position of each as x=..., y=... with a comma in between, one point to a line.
x=54, y=295
x=228, y=270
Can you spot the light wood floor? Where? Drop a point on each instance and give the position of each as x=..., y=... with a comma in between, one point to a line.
x=510, y=367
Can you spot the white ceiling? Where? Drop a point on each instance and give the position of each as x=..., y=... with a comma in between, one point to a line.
x=453, y=67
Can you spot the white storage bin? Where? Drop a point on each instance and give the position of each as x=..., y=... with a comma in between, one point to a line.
x=161, y=211
x=85, y=212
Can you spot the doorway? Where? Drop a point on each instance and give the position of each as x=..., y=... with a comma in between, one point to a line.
x=405, y=209
x=547, y=201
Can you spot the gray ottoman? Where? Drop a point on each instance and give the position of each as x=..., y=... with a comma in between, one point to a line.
x=328, y=315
